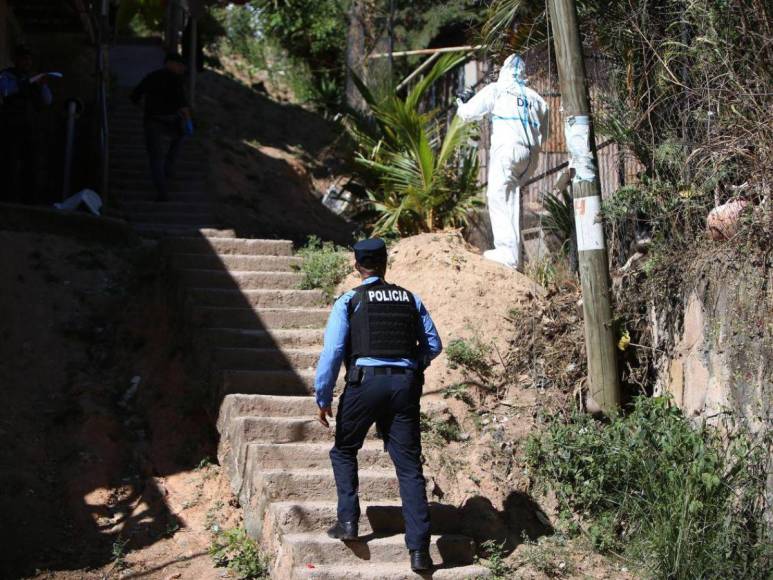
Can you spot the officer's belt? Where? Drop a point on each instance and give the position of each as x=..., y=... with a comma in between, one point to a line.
x=387, y=370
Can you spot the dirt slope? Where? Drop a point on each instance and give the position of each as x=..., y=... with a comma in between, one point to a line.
x=97, y=480
x=271, y=160
x=466, y=295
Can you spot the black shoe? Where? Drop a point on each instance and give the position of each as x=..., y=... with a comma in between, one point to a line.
x=343, y=531
x=420, y=560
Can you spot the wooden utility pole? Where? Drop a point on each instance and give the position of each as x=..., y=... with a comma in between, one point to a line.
x=603, y=378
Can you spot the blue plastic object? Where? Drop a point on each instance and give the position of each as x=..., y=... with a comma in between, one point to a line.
x=189, y=127
x=8, y=85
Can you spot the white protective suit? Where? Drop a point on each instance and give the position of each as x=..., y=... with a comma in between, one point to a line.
x=520, y=127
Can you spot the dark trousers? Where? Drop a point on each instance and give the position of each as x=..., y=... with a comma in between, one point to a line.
x=392, y=401
x=18, y=167
x=162, y=163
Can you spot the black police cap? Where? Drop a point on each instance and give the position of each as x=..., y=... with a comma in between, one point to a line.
x=371, y=251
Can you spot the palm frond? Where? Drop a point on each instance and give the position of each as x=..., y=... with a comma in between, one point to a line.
x=443, y=66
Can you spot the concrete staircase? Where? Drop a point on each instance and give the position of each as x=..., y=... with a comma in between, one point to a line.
x=189, y=208
x=276, y=456
x=264, y=337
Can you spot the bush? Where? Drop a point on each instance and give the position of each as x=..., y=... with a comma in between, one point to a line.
x=684, y=499
x=235, y=550
x=324, y=266
x=470, y=355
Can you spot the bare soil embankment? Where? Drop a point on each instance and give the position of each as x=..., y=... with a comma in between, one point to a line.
x=271, y=159
x=98, y=480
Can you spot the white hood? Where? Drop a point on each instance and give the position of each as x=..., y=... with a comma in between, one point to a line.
x=513, y=72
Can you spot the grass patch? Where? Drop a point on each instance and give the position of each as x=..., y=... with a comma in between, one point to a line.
x=118, y=552
x=235, y=550
x=324, y=266
x=681, y=500
x=471, y=355
x=441, y=430
x=495, y=560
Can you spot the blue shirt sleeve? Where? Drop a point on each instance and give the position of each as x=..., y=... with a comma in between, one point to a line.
x=333, y=351
x=430, y=345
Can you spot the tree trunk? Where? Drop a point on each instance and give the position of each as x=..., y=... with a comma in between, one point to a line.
x=356, y=54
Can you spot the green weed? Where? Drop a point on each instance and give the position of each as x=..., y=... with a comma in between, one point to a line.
x=205, y=463
x=214, y=510
x=119, y=552
x=460, y=392
x=442, y=429
x=235, y=550
x=548, y=558
x=680, y=499
x=471, y=355
x=495, y=560
x=324, y=266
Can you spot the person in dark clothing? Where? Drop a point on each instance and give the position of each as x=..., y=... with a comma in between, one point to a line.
x=167, y=114
x=22, y=97
x=387, y=338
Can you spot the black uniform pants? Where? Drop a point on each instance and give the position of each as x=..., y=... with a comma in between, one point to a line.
x=161, y=162
x=392, y=401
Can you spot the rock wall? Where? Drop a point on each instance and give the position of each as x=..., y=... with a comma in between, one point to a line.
x=720, y=357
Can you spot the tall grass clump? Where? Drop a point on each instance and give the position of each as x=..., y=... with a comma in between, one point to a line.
x=684, y=500
x=324, y=266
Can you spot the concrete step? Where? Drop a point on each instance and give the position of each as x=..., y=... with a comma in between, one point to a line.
x=383, y=571
x=317, y=456
x=152, y=230
x=169, y=218
x=189, y=149
x=241, y=405
x=139, y=163
x=318, y=548
x=237, y=262
x=219, y=316
x=219, y=279
x=193, y=207
x=259, y=298
x=266, y=358
x=319, y=484
x=299, y=429
x=138, y=157
x=379, y=517
x=191, y=186
x=148, y=196
x=184, y=186
x=229, y=245
x=284, y=337
x=251, y=382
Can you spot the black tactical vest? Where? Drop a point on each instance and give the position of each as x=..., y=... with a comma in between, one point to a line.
x=383, y=322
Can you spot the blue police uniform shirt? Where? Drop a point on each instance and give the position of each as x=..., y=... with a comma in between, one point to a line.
x=337, y=333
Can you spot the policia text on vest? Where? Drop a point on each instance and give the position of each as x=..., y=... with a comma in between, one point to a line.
x=387, y=338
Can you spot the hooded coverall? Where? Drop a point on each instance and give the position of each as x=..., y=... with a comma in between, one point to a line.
x=520, y=127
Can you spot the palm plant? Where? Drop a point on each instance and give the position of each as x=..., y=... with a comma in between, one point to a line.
x=418, y=177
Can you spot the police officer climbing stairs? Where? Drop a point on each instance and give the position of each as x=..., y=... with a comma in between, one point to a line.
x=387, y=339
